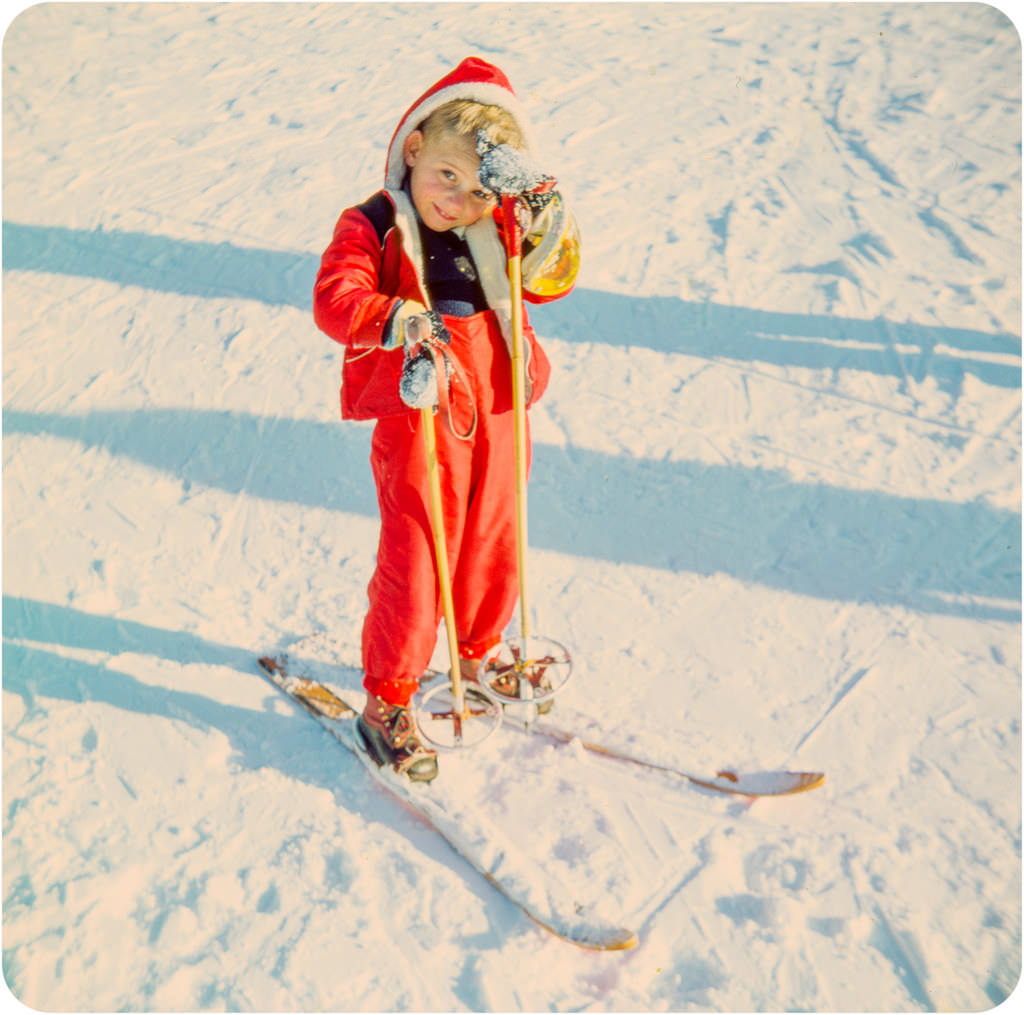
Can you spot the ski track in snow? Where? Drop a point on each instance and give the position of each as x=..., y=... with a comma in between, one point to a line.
x=775, y=508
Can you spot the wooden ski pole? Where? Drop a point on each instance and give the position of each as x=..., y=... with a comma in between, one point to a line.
x=444, y=579
x=515, y=278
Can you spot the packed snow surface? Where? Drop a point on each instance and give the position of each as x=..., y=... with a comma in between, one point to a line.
x=774, y=509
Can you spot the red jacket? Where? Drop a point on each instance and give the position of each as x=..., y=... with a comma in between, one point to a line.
x=363, y=276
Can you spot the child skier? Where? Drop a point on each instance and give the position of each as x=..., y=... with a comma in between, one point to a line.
x=414, y=284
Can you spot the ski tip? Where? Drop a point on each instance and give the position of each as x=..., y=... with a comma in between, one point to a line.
x=761, y=784
x=809, y=780
x=795, y=782
x=599, y=939
x=596, y=936
x=623, y=941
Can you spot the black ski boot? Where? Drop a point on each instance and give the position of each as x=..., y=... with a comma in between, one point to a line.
x=391, y=738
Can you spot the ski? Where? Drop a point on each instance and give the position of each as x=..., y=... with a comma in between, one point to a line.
x=467, y=832
x=772, y=783
x=749, y=784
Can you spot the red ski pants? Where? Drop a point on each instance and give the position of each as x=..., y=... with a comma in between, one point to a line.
x=478, y=494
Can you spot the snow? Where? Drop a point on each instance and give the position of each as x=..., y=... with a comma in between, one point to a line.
x=775, y=507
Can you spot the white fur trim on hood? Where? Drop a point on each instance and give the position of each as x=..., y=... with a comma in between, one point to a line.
x=473, y=79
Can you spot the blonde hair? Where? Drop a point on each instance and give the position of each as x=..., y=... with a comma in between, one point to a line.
x=462, y=118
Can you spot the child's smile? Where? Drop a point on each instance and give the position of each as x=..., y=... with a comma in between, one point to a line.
x=445, y=189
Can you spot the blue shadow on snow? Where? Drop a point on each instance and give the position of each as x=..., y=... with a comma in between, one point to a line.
x=753, y=524
x=261, y=738
x=664, y=324
x=35, y=673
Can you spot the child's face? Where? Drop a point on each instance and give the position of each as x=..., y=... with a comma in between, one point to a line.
x=445, y=188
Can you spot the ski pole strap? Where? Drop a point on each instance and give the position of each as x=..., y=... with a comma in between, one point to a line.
x=447, y=367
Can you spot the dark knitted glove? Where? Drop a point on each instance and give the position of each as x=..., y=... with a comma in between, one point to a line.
x=507, y=171
x=417, y=386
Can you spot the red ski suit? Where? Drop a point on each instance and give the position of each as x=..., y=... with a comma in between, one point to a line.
x=369, y=267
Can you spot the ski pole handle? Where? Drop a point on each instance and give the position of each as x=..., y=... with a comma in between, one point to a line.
x=511, y=210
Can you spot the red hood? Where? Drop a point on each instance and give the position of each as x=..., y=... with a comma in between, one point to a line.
x=472, y=79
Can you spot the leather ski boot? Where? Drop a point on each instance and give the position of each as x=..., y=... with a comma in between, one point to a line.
x=504, y=682
x=391, y=738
